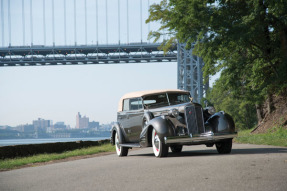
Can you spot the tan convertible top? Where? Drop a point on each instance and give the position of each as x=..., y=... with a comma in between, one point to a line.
x=147, y=92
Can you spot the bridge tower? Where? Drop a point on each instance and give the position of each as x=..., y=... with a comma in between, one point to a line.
x=189, y=73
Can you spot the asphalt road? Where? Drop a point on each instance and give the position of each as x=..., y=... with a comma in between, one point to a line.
x=248, y=167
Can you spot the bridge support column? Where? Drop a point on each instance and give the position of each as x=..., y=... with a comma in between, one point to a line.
x=189, y=73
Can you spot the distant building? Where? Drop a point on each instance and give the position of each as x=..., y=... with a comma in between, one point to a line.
x=5, y=127
x=106, y=127
x=94, y=125
x=60, y=125
x=81, y=122
x=41, y=124
x=28, y=128
x=50, y=130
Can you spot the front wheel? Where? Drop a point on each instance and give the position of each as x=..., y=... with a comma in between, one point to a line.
x=121, y=151
x=224, y=147
x=159, y=148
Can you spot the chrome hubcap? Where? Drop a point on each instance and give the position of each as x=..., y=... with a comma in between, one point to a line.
x=117, y=143
x=156, y=141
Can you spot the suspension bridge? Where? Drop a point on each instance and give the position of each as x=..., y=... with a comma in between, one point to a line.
x=73, y=32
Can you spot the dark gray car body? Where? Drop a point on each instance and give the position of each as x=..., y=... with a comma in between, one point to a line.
x=193, y=125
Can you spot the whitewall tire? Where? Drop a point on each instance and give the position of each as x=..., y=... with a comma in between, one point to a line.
x=159, y=148
x=121, y=151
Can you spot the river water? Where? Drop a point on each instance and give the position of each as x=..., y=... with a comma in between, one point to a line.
x=7, y=142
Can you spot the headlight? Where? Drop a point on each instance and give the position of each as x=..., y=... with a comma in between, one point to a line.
x=173, y=113
x=211, y=110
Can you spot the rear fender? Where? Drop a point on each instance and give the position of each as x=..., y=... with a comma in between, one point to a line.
x=117, y=129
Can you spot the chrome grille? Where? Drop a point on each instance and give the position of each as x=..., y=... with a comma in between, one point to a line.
x=199, y=119
x=194, y=119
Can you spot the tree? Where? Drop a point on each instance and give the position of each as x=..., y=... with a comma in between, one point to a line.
x=246, y=40
x=242, y=111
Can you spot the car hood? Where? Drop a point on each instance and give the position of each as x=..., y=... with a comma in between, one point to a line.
x=164, y=110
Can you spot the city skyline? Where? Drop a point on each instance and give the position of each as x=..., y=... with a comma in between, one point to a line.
x=52, y=122
x=45, y=128
x=61, y=122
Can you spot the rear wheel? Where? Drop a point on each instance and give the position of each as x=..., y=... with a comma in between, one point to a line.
x=121, y=151
x=224, y=147
x=159, y=148
x=176, y=148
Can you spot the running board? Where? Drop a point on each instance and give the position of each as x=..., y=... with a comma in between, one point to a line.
x=130, y=145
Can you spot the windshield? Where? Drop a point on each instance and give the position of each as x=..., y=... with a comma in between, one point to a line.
x=178, y=98
x=165, y=99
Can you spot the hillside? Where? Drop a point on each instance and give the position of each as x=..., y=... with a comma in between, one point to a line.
x=277, y=116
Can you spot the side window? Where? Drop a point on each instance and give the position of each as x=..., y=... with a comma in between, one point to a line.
x=136, y=104
x=140, y=103
x=126, y=105
x=132, y=104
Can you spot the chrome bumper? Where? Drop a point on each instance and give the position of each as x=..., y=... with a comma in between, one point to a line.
x=199, y=138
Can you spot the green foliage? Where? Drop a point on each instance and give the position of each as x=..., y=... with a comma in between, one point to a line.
x=242, y=111
x=246, y=40
x=276, y=137
x=17, y=162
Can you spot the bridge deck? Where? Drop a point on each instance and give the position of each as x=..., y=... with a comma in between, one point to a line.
x=91, y=54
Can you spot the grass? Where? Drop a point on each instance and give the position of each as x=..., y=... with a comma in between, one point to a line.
x=276, y=136
x=7, y=164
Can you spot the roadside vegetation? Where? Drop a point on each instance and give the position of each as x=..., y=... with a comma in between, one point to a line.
x=276, y=136
x=8, y=164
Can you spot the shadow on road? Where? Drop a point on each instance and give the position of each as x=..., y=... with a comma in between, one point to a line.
x=259, y=151
x=213, y=152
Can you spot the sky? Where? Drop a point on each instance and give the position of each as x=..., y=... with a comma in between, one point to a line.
x=130, y=18
x=58, y=93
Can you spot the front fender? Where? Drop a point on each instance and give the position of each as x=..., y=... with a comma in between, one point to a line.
x=116, y=129
x=162, y=127
x=220, y=122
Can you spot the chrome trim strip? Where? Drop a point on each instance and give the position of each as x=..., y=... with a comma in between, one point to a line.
x=130, y=145
x=203, y=137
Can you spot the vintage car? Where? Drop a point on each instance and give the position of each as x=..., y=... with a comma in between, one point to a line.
x=168, y=118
